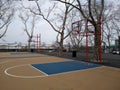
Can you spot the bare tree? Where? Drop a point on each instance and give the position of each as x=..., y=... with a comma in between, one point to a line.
x=111, y=29
x=6, y=14
x=57, y=27
x=93, y=15
x=107, y=30
x=28, y=20
x=75, y=27
x=77, y=35
x=116, y=20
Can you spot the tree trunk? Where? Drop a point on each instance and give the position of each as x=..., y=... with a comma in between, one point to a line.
x=97, y=41
x=60, y=49
x=29, y=43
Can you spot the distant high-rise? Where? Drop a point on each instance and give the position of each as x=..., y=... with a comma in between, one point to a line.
x=119, y=43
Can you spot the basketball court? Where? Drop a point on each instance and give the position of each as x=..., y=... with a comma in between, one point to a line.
x=32, y=71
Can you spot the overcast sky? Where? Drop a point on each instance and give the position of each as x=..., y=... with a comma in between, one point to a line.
x=16, y=33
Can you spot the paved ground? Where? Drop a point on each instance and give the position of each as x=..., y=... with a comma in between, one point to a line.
x=17, y=74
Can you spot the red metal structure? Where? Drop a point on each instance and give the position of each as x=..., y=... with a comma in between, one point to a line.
x=76, y=27
x=37, y=42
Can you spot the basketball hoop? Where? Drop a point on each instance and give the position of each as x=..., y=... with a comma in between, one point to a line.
x=85, y=28
x=80, y=28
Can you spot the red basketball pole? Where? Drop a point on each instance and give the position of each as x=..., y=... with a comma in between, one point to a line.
x=86, y=40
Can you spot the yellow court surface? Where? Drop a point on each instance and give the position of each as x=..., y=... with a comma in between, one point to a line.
x=17, y=73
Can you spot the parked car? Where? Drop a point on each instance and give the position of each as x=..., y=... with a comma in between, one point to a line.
x=116, y=52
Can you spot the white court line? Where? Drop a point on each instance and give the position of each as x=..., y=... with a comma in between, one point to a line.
x=76, y=71
x=6, y=72
x=38, y=70
x=46, y=75
x=67, y=72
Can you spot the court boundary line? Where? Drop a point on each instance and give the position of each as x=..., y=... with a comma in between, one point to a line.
x=38, y=70
x=74, y=70
x=17, y=76
x=66, y=60
x=40, y=76
x=23, y=53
